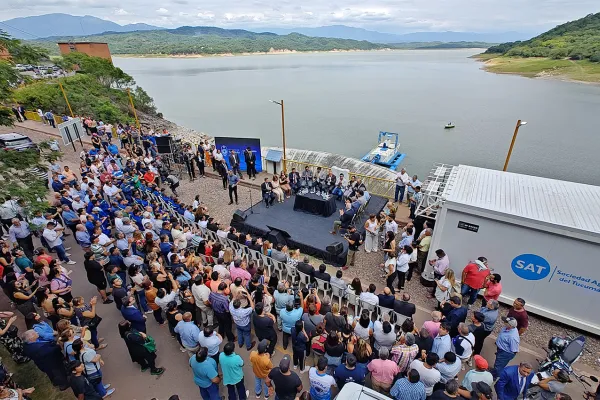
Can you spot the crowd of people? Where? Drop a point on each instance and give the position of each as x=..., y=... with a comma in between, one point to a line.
x=147, y=252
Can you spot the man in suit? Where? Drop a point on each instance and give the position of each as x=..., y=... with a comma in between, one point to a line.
x=307, y=177
x=306, y=268
x=404, y=306
x=329, y=181
x=250, y=159
x=133, y=315
x=47, y=356
x=514, y=382
x=234, y=162
x=294, y=178
x=345, y=217
x=267, y=192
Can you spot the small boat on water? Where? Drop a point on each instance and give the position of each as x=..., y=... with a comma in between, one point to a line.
x=387, y=153
x=449, y=125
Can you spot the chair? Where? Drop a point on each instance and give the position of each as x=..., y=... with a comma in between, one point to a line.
x=324, y=286
x=339, y=292
x=257, y=257
x=269, y=264
x=400, y=318
x=280, y=268
x=365, y=305
x=353, y=300
x=383, y=310
x=304, y=278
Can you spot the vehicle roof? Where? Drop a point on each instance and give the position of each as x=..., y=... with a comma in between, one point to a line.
x=354, y=391
x=12, y=136
x=561, y=204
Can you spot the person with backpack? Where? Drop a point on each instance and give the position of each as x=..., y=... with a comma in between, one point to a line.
x=463, y=344
x=92, y=362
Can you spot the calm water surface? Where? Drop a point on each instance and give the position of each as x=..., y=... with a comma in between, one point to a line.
x=338, y=102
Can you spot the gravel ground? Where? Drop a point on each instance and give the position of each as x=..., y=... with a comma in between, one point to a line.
x=367, y=265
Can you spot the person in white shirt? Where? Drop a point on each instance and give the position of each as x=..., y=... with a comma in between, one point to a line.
x=463, y=344
x=77, y=203
x=201, y=292
x=428, y=374
x=390, y=225
x=53, y=234
x=402, y=179
x=110, y=190
x=127, y=228
x=402, y=265
x=370, y=296
x=163, y=298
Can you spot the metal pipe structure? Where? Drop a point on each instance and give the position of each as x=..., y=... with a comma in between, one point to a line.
x=512, y=143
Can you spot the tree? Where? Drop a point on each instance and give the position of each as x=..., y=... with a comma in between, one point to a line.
x=102, y=69
x=21, y=53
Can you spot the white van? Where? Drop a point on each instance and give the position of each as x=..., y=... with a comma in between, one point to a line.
x=354, y=391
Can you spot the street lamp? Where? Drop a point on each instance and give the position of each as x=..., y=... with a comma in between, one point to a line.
x=512, y=144
x=280, y=103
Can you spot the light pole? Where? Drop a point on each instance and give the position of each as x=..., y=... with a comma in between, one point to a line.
x=280, y=103
x=512, y=144
x=137, y=122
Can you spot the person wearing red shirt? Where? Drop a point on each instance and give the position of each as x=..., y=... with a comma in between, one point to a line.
x=473, y=277
x=492, y=287
x=149, y=177
x=519, y=313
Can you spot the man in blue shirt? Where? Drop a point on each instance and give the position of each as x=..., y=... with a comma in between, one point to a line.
x=442, y=342
x=507, y=344
x=233, y=182
x=350, y=372
x=457, y=314
x=289, y=316
x=206, y=375
x=410, y=388
x=188, y=331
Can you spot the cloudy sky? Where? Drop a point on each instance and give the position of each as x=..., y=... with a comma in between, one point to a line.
x=396, y=16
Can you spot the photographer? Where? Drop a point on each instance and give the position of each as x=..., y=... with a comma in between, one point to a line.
x=241, y=318
x=282, y=296
x=354, y=240
x=292, y=313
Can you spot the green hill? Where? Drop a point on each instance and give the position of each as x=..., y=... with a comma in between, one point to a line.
x=209, y=40
x=570, y=51
x=576, y=40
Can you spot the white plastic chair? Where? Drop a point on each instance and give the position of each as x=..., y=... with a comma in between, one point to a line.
x=324, y=286
x=304, y=278
x=339, y=292
x=353, y=300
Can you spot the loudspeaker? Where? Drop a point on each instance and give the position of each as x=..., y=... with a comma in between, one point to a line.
x=163, y=144
x=335, y=248
x=276, y=237
x=239, y=216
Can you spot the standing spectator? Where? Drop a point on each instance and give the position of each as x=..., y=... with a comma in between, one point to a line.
x=490, y=313
x=241, y=318
x=133, y=315
x=473, y=278
x=287, y=383
x=409, y=388
x=383, y=333
x=206, y=375
x=405, y=351
x=233, y=181
x=261, y=366
x=299, y=342
x=50, y=118
x=443, y=287
x=289, y=316
x=234, y=163
x=450, y=391
x=442, y=342
x=383, y=371
x=82, y=388
x=264, y=326
x=189, y=333
x=514, y=381
x=354, y=240
x=449, y=368
x=92, y=362
x=457, y=315
x=135, y=341
x=350, y=371
x=233, y=373
x=477, y=329
x=440, y=265
x=320, y=381
x=220, y=306
x=402, y=179
x=53, y=234
x=507, y=345
x=96, y=275
x=429, y=375
x=211, y=340
x=20, y=235
x=519, y=313
x=479, y=374
x=201, y=292
x=492, y=288
x=47, y=356
x=402, y=265
x=250, y=159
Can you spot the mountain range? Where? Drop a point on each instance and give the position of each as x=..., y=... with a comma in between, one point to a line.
x=41, y=26
x=348, y=32
x=61, y=25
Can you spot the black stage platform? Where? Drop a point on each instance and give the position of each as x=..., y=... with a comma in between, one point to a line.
x=309, y=233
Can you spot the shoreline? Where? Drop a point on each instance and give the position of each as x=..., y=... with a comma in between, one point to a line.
x=279, y=52
x=541, y=68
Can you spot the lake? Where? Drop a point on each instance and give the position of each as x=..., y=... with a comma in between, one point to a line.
x=338, y=102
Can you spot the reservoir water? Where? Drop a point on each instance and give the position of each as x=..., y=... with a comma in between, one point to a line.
x=338, y=102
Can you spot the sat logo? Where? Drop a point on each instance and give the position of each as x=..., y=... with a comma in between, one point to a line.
x=531, y=267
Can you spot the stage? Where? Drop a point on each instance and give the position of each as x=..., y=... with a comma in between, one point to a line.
x=309, y=233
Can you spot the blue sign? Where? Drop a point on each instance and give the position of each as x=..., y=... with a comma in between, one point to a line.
x=530, y=267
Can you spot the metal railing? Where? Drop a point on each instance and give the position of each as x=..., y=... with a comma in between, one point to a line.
x=377, y=186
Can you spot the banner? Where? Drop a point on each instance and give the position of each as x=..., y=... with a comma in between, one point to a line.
x=238, y=145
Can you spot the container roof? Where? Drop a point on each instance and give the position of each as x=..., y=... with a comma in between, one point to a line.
x=551, y=201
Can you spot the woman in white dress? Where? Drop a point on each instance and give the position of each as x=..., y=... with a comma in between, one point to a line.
x=277, y=189
x=371, y=231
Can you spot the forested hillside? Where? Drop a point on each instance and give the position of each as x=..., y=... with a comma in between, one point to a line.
x=576, y=40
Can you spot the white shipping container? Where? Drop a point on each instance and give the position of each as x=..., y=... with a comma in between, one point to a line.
x=541, y=235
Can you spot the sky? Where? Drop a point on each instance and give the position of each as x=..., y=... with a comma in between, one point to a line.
x=394, y=16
